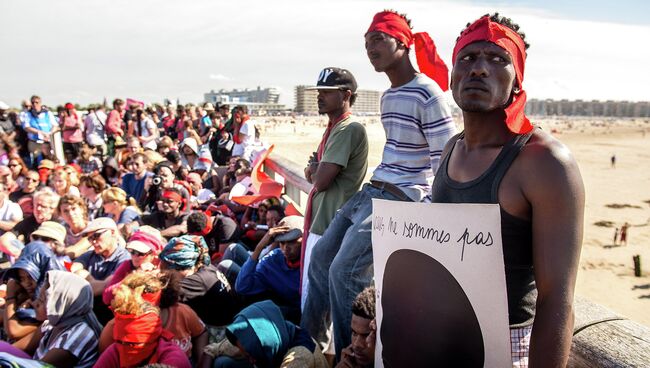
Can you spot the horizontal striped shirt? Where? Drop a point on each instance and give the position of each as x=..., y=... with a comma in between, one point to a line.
x=79, y=340
x=418, y=123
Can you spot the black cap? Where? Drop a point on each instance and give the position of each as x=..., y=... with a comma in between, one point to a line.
x=336, y=78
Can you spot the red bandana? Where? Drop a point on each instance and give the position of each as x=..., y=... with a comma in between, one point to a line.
x=142, y=331
x=486, y=30
x=168, y=194
x=425, y=50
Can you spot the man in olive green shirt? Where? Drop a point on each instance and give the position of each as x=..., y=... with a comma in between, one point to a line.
x=338, y=167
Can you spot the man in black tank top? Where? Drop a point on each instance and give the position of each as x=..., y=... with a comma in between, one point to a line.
x=501, y=158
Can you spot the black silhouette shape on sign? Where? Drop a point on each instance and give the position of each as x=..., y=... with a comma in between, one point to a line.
x=428, y=321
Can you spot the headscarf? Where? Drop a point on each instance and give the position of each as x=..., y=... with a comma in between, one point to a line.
x=144, y=329
x=262, y=331
x=183, y=252
x=170, y=194
x=37, y=258
x=69, y=301
x=486, y=30
x=429, y=62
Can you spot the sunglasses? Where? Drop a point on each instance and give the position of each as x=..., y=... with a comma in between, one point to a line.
x=41, y=238
x=136, y=253
x=94, y=237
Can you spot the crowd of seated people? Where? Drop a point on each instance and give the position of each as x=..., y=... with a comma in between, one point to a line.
x=132, y=248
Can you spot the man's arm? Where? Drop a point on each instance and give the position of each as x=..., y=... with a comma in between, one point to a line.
x=8, y=225
x=555, y=191
x=175, y=230
x=325, y=175
x=437, y=127
x=250, y=280
x=6, y=245
x=97, y=286
x=79, y=248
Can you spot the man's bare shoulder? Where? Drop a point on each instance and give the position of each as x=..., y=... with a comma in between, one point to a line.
x=546, y=160
x=543, y=149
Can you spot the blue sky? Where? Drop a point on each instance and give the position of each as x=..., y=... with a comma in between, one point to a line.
x=625, y=12
x=83, y=51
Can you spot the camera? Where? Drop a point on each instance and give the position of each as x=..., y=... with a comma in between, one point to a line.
x=156, y=180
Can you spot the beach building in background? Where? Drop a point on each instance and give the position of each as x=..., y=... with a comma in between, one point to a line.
x=618, y=109
x=367, y=101
x=261, y=101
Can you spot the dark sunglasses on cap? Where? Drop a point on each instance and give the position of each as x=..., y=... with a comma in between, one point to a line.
x=137, y=253
x=96, y=235
x=41, y=238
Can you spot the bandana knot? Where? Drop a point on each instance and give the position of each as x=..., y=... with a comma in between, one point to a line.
x=426, y=54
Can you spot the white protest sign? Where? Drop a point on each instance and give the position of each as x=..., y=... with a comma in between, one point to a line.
x=441, y=288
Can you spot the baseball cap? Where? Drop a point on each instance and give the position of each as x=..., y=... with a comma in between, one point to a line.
x=295, y=224
x=3, y=106
x=145, y=242
x=100, y=223
x=51, y=230
x=335, y=78
x=47, y=164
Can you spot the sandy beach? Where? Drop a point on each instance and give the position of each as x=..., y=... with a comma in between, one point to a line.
x=615, y=195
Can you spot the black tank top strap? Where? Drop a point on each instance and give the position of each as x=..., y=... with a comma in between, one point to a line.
x=510, y=152
x=444, y=160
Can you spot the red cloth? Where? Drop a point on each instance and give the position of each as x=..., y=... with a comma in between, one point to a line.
x=426, y=54
x=486, y=30
x=145, y=328
x=312, y=193
x=291, y=210
x=167, y=352
x=235, y=137
x=144, y=331
x=263, y=184
x=168, y=194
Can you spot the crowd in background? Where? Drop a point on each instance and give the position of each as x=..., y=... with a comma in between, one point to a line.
x=125, y=244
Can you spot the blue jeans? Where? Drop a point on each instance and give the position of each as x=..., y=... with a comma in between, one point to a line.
x=340, y=268
x=233, y=258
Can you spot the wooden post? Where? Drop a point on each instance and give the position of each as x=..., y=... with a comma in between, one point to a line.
x=637, y=265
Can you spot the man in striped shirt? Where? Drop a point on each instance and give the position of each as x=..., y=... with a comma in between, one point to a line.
x=418, y=123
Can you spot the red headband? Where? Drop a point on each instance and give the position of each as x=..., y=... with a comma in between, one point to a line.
x=168, y=194
x=145, y=328
x=486, y=30
x=429, y=62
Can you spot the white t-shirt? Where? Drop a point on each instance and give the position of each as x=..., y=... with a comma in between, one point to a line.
x=94, y=125
x=203, y=196
x=147, y=129
x=10, y=211
x=248, y=130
